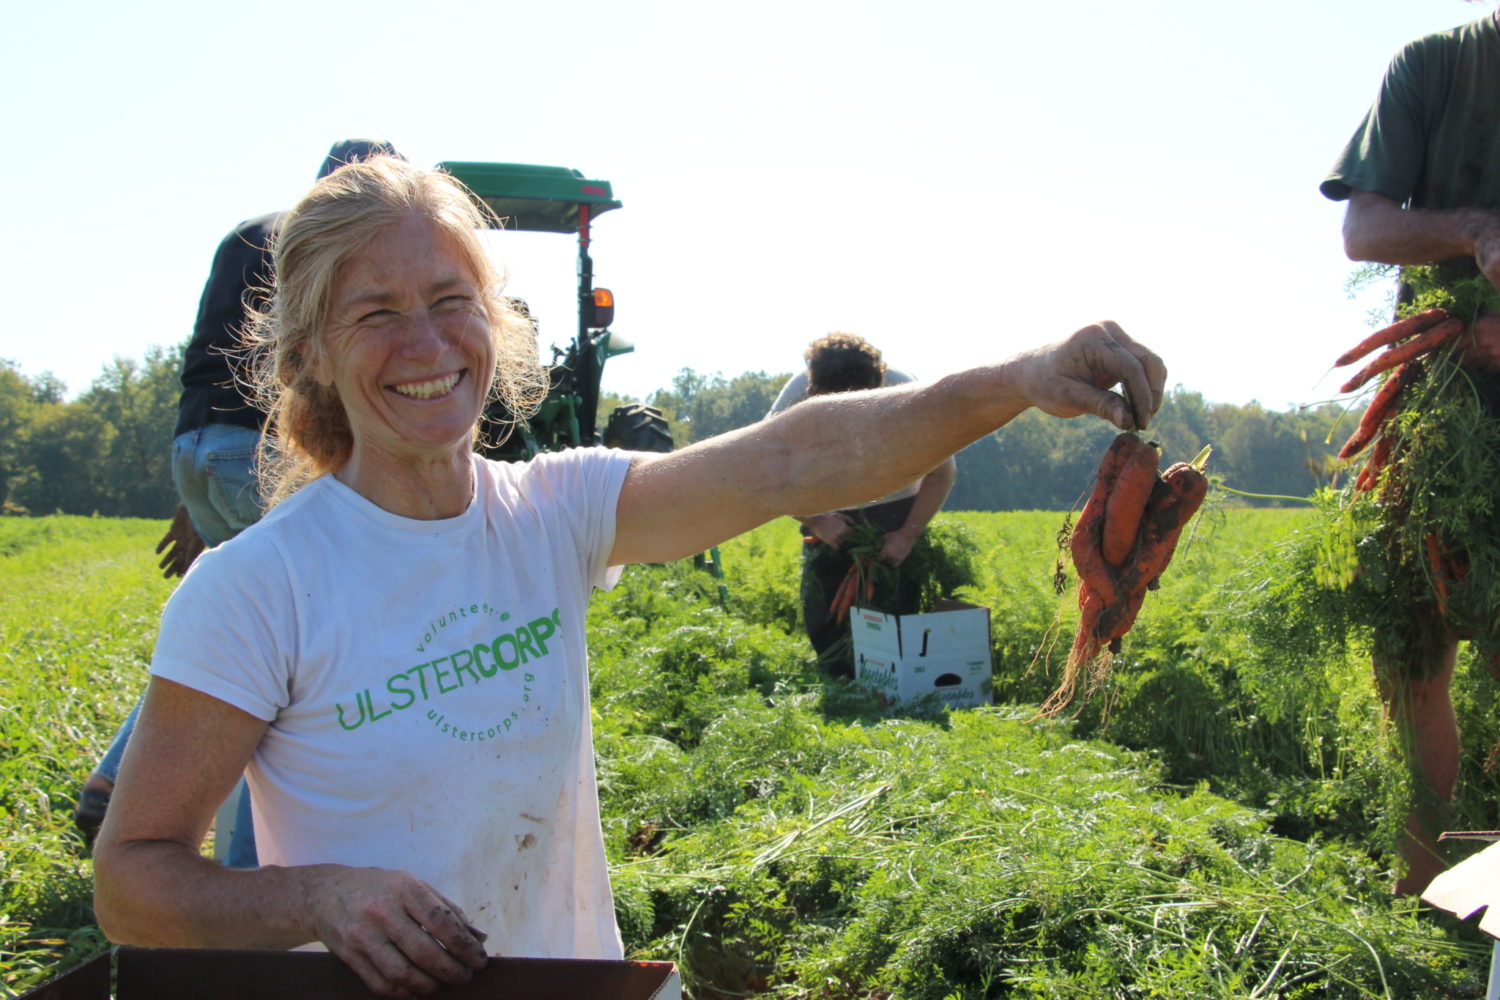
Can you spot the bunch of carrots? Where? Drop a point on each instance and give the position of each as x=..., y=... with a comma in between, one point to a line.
x=859, y=580
x=1406, y=342
x=1122, y=543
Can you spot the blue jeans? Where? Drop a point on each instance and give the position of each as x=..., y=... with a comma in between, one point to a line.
x=213, y=468
x=109, y=764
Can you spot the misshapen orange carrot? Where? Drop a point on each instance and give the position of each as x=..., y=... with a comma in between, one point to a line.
x=1110, y=597
x=1126, y=503
x=1087, y=646
x=1422, y=343
x=1088, y=557
x=1175, y=498
x=1399, y=330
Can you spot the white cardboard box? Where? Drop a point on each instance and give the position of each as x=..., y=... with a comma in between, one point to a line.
x=908, y=656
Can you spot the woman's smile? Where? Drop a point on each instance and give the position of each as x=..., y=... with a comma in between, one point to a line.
x=429, y=388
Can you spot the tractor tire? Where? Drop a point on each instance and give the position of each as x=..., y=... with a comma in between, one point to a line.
x=638, y=427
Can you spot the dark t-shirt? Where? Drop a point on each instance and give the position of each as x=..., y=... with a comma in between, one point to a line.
x=1432, y=138
x=241, y=273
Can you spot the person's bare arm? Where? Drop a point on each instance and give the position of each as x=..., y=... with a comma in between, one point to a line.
x=1378, y=229
x=153, y=887
x=844, y=448
x=936, y=486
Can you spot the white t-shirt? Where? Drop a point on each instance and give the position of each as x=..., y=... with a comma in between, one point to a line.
x=426, y=685
x=795, y=391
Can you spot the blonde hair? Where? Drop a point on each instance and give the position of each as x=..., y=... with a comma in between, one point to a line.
x=308, y=430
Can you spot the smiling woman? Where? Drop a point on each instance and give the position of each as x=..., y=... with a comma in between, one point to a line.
x=415, y=796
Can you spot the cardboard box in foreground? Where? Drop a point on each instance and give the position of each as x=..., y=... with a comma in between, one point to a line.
x=204, y=974
x=946, y=651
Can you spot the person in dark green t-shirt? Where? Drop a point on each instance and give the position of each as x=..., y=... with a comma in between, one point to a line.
x=1422, y=172
x=1422, y=178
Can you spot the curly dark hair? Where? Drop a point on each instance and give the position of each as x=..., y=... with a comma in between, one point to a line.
x=842, y=362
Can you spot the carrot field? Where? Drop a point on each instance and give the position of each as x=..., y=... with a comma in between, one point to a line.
x=1214, y=822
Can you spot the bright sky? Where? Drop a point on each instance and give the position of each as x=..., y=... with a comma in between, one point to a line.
x=955, y=181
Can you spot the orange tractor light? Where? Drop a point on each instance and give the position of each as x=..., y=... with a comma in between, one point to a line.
x=604, y=308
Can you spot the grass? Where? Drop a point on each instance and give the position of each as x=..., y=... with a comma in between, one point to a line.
x=79, y=601
x=995, y=857
x=1206, y=826
x=824, y=847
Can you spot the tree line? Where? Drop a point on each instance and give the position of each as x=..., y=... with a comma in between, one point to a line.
x=107, y=452
x=1039, y=463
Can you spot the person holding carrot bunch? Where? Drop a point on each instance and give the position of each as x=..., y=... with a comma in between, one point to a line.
x=395, y=652
x=846, y=362
x=1421, y=176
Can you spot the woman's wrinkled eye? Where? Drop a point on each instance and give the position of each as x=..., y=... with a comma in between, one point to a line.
x=450, y=302
x=377, y=316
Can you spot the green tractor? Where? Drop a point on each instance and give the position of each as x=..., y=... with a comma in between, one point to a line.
x=559, y=200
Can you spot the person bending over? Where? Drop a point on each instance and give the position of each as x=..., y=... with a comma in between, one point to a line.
x=846, y=362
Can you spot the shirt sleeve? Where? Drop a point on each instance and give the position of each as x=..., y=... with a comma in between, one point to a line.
x=897, y=376
x=227, y=630
x=1385, y=154
x=586, y=484
x=794, y=391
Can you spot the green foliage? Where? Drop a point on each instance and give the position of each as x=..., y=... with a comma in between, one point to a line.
x=765, y=566
x=1187, y=685
x=1352, y=585
x=67, y=450
x=780, y=837
x=666, y=656
x=17, y=410
x=140, y=402
x=703, y=406
x=808, y=845
x=1442, y=484
x=1429, y=288
x=993, y=857
x=107, y=452
x=1383, y=574
x=1428, y=539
